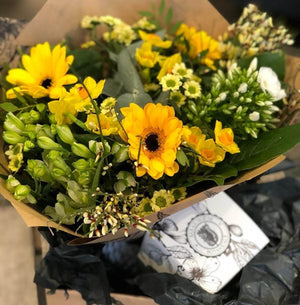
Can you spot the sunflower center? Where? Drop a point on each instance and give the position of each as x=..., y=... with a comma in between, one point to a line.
x=151, y=142
x=46, y=83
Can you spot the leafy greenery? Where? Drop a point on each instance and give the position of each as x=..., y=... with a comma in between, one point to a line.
x=269, y=145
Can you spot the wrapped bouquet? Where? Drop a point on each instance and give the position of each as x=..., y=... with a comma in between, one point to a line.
x=105, y=138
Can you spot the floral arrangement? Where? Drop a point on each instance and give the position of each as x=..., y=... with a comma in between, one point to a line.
x=101, y=136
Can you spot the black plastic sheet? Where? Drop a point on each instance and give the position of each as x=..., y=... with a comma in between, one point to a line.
x=271, y=278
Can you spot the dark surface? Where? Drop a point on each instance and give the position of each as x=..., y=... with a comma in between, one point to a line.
x=272, y=277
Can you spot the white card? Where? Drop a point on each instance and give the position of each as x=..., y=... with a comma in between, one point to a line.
x=208, y=243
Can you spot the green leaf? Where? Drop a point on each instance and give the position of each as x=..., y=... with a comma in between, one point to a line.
x=128, y=73
x=161, y=7
x=87, y=62
x=268, y=146
x=182, y=158
x=274, y=60
x=9, y=107
x=146, y=14
x=169, y=15
x=20, y=98
x=112, y=88
x=120, y=186
x=219, y=174
x=163, y=98
x=125, y=99
x=175, y=27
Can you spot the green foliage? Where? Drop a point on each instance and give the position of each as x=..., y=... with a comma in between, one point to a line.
x=9, y=107
x=268, y=146
x=273, y=60
x=87, y=62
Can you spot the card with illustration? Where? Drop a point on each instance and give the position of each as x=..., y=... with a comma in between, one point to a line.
x=208, y=243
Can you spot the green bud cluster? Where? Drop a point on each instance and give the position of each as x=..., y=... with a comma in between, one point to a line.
x=20, y=192
x=237, y=100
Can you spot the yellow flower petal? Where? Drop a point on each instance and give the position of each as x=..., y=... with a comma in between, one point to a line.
x=159, y=140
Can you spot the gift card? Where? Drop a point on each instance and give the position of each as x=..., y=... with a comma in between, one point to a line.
x=208, y=243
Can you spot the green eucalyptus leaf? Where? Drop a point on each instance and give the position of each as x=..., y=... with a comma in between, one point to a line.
x=163, y=98
x=128, y=73
x=125, y=99
x=112, y=88
x=269, y=145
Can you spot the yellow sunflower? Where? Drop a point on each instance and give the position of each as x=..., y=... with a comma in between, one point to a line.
x=44, y=70
x=153, y=135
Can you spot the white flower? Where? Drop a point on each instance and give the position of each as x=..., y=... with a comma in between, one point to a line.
x=192, y=89
x=223, y=96
x=254, y=116
x=243, y=88
x=170, y=82
x=182, y=71
x=269, y=82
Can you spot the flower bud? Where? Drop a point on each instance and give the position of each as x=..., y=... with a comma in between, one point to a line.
x=37, y=169
x=28, y=145
x=44, y=131
x=47, y=143
x=40, y=107
x=11, y=137
x=84, y=178
x=65, y=134
x=21, y=191
x=11, y=183
x=81, y=151
x=96, y=147
x=77, y=194
x=13, y=123
x=121, y=155
x=81, y=164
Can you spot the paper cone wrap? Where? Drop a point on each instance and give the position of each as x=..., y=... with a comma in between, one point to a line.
x=59, y=18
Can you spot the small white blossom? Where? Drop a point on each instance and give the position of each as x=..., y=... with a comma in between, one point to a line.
x=182, y=71
x=222, y=96
x=243, y=88
x=254, y=116
x=192, y=89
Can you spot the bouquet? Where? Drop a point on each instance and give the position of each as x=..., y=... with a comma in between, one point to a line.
x=109, y=136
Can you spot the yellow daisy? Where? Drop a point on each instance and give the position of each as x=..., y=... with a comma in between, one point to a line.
x=154, y=135
x=155, y=40
x=167, y=64
x=78, y=99
x=200, y=42
x=209, y=152
x=89, y=89
x=145, y=56
x=224, y=138
x=44, y=70
x=161, y=199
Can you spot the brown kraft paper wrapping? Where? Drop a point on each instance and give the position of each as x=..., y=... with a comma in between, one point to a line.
x=59, y=18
